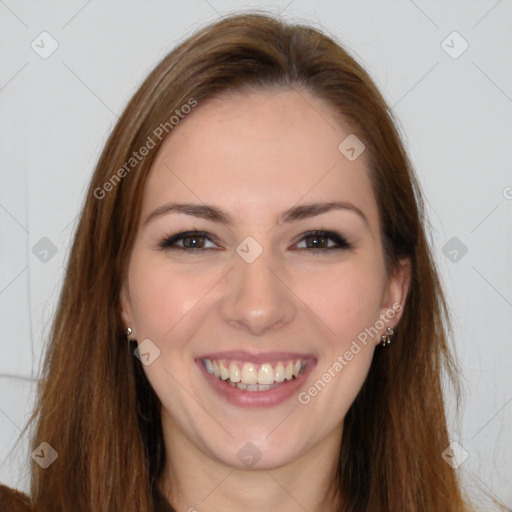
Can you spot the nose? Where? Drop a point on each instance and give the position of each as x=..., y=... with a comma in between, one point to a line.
x=257, y=297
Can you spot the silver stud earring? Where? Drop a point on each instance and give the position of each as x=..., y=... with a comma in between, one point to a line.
x=386, y=339
x=128, y=332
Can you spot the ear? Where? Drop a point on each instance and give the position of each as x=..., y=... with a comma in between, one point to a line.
x=395, y=294
x=125, y=306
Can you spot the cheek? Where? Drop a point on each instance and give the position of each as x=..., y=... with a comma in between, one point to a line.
x=162, y=297
x=347, y=300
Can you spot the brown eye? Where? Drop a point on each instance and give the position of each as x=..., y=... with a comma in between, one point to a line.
x=187, y=240
x=322, y=240
x=193, y=241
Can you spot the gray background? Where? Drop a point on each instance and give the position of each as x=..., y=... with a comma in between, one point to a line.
x=454, y=110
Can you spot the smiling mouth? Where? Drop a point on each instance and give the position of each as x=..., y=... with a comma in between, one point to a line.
x=248, y=376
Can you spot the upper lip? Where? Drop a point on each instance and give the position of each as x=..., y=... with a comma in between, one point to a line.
x=257, y=358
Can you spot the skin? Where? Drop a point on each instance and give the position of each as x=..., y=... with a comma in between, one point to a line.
x=254, y=156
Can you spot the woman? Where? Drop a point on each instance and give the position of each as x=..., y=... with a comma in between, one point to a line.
x=251, y=317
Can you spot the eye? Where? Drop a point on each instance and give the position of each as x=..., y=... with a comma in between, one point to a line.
x=190, y=240
x=320, y=241
x=195, y=241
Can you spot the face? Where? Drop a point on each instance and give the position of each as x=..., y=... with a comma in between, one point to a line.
x=259, y=305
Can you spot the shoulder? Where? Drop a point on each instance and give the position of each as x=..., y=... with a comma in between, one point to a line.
x=12, y=500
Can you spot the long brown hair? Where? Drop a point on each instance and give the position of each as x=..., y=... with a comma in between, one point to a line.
x=95, y=406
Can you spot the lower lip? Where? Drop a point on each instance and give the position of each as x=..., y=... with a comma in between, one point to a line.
x=268, y=398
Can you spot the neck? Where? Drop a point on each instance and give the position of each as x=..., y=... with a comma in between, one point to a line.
x=193, y=481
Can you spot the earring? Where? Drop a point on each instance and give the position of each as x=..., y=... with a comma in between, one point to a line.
x=385, y=339
x=128, y=332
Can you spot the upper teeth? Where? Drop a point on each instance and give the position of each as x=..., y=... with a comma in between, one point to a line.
x=249, y=373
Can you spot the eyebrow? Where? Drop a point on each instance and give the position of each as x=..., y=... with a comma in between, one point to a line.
x=215, y=214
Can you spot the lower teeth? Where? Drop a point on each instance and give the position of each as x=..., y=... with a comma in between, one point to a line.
x=254, y=387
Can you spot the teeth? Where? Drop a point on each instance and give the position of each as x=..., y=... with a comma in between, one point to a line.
x=288, y=372
x=254, y=377
x=208, y=365
x=224, y=372
x=279, y=372
x=249, y=374
x=266, y=374
x=252, y=387
x=234, y=372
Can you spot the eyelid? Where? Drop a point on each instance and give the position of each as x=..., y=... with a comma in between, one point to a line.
x=169, y=242
x=338, y=238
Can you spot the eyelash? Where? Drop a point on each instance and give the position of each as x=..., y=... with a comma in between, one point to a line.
x=169, y=241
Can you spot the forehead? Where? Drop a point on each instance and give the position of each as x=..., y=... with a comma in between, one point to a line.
x=259, y=153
